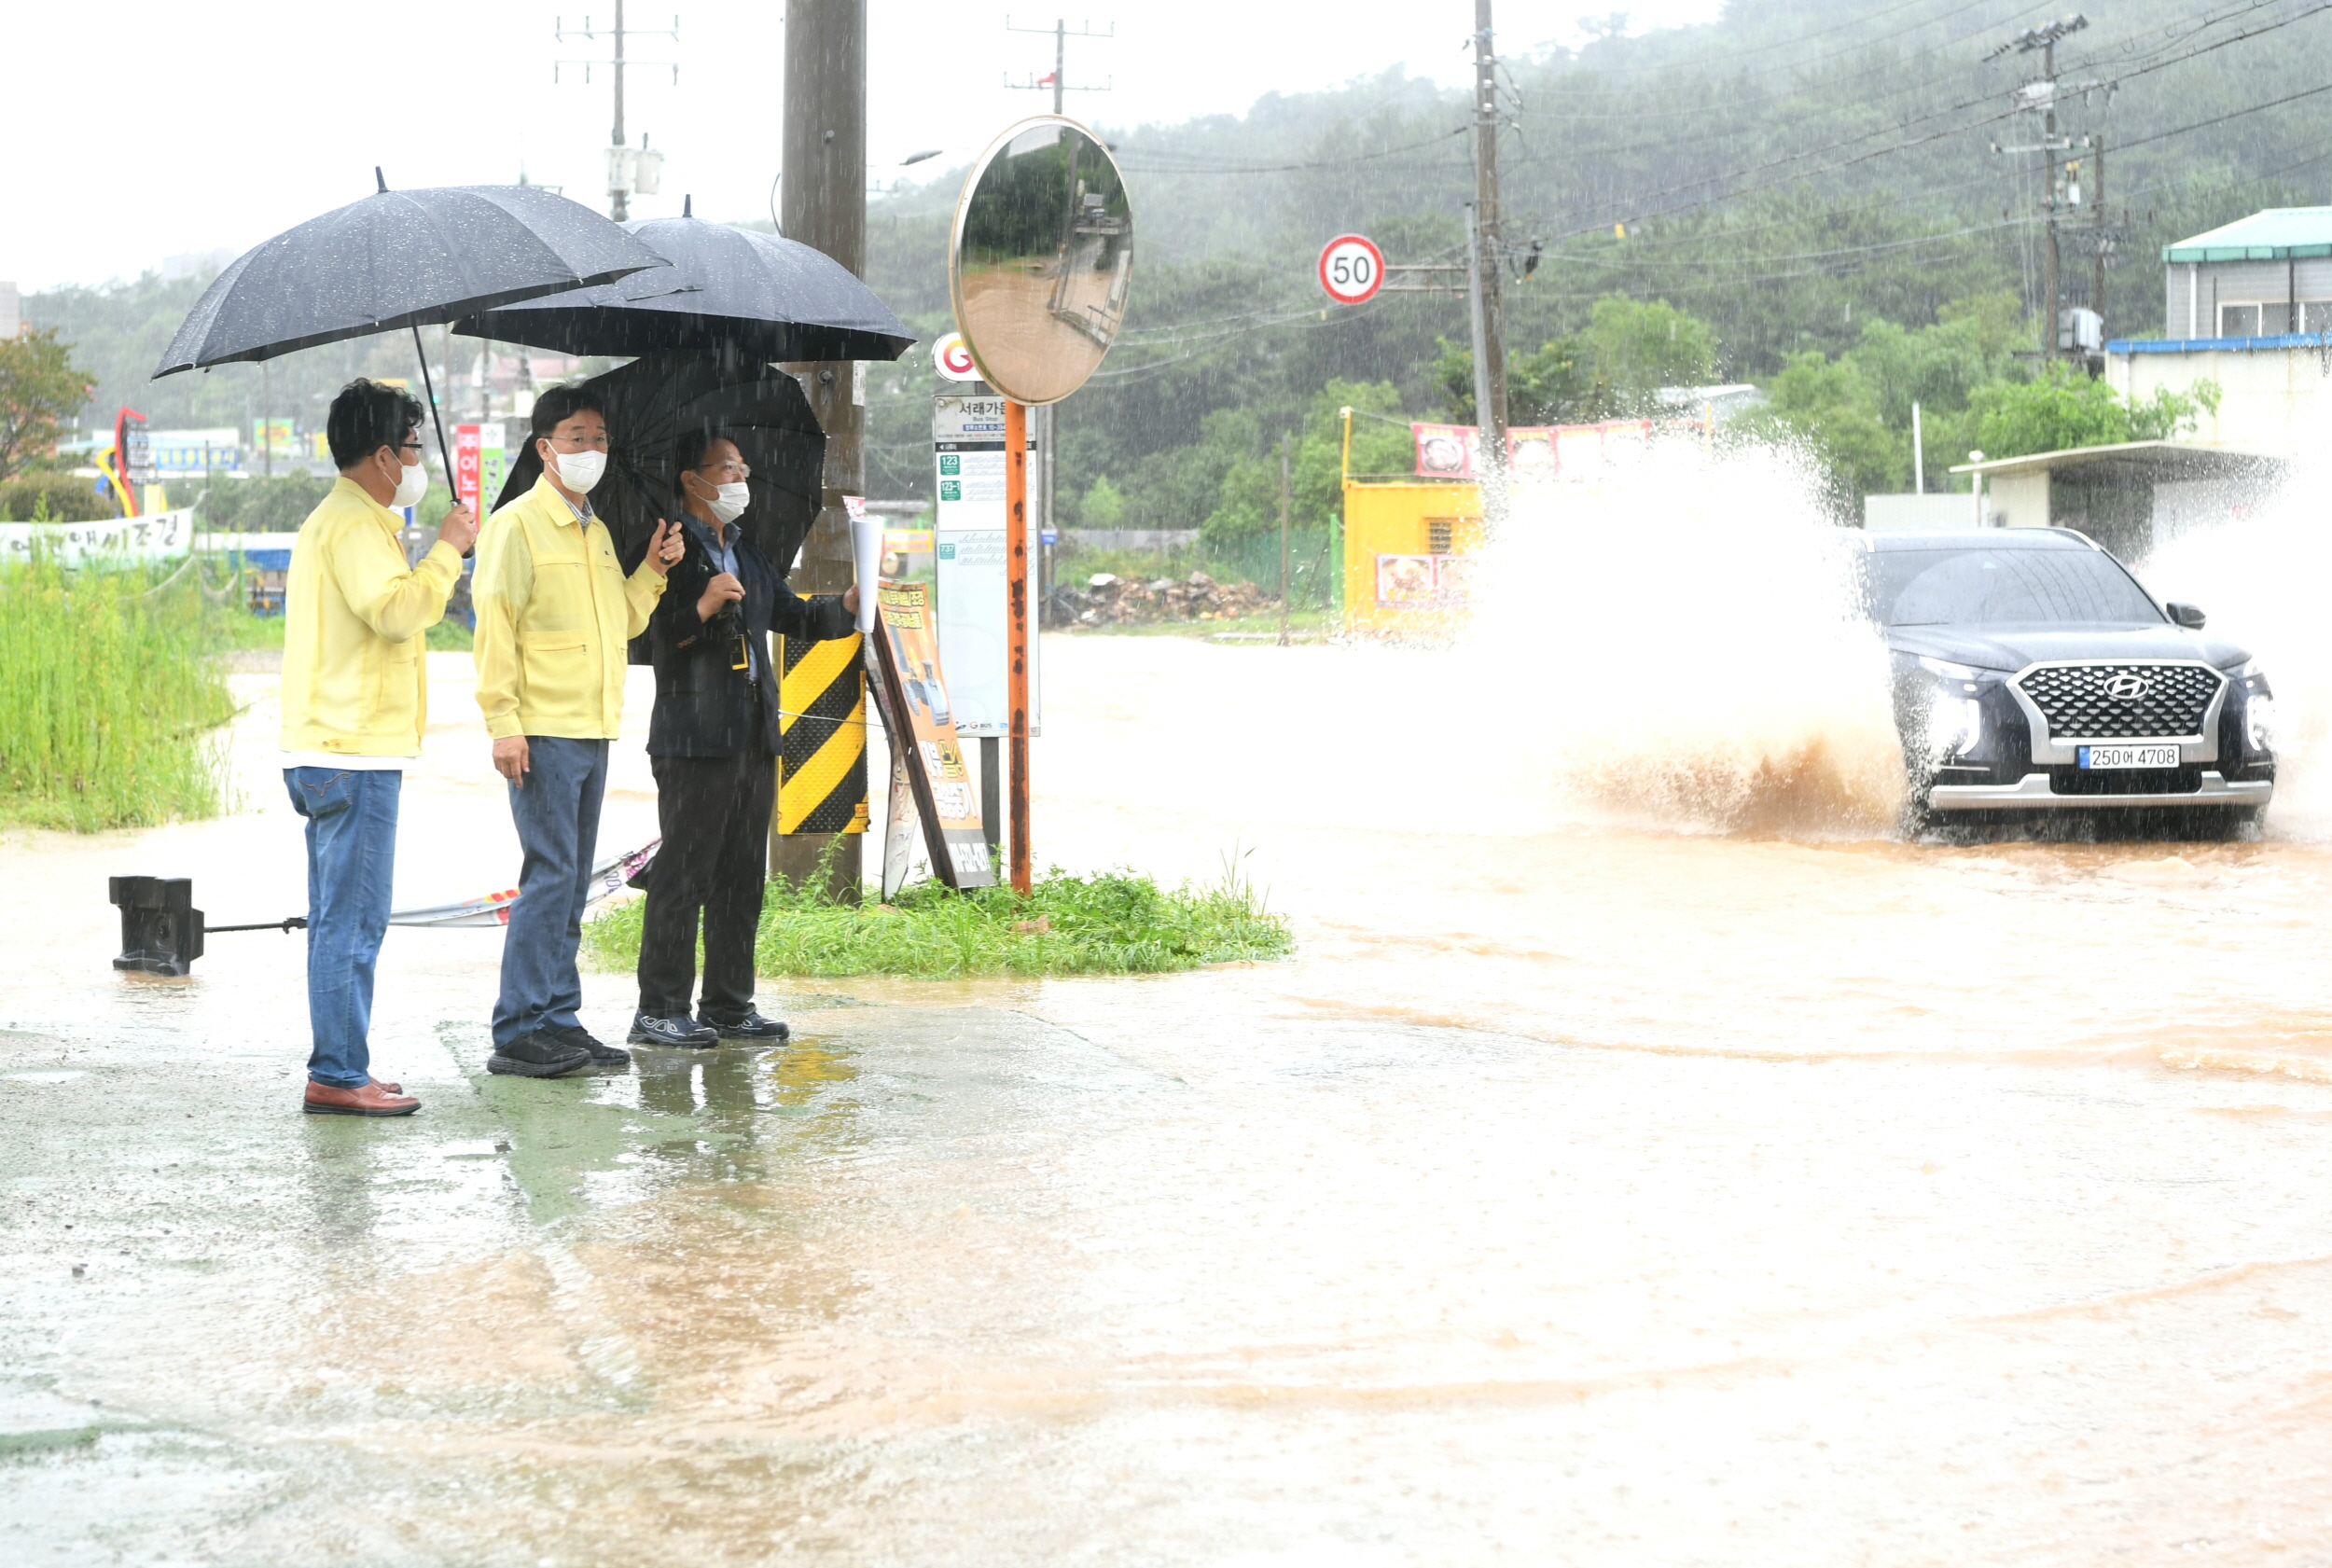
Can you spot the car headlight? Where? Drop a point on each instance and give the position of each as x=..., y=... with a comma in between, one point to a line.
x=1955, y=724
x=2259, y=721
x=1948, y=670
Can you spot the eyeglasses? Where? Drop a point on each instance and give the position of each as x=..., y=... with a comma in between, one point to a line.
x=579, y=442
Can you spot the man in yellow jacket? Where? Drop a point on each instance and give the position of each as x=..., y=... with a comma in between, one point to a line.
x=555, y=612
x=355, y=694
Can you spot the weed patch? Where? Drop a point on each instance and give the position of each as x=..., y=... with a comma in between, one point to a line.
x=108, y=706
x=1109, y=923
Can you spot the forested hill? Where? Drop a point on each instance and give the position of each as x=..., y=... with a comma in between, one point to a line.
x=1794, y=175
x=1789, y=174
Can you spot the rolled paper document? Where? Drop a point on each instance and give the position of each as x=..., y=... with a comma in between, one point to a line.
x=866, y=544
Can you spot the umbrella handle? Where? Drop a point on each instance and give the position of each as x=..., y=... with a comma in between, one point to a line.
x=436, y=419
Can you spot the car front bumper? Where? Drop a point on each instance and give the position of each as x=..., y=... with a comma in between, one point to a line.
x=2032, y=794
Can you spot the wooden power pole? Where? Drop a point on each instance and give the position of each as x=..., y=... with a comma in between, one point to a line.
x=824, y=203
x=1489, y=260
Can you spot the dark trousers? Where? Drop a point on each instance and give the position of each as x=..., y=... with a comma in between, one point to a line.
x=714, y=813
x=557, y=813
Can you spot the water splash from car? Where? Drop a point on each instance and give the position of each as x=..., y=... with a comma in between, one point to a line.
x=2259, y=572
x=1679, y=645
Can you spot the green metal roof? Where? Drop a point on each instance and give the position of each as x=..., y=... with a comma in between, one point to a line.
x=2274, y=235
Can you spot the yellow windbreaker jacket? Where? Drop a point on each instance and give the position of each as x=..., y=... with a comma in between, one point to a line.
x=554, y=612
x=355, y=680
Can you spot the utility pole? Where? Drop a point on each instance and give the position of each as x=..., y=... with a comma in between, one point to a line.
x=2099, y=243
x=619, y=179
x=1044, y=421
x=1489, y=352
x=2042, y=95
x=825, y=206
x=1058, y=80
x=2049, y=258
x=1288, y=444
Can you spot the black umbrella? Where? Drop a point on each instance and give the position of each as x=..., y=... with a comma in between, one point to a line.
x=763, y=297
x=650, y=404
x=401, y=258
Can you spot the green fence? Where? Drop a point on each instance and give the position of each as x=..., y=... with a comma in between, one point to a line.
x=1312, y=562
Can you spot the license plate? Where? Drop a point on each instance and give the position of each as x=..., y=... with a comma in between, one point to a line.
x=2128, y=757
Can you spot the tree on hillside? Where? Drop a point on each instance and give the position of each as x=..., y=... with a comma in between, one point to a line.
x=1557, y=385
x=39, y=391
x=1247, y=495
x=1828, y=409
x=1641, y=346
x=2062, y=408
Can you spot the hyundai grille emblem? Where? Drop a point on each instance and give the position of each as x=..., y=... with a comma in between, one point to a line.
x=2128, y=687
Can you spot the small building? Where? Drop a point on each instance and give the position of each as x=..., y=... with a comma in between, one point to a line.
x=2129, y=498
x=2249, y=307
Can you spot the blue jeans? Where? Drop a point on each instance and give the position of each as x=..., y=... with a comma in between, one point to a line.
x=351, y=855
x=557, y=814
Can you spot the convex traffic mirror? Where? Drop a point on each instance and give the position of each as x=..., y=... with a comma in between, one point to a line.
x=1043, y=254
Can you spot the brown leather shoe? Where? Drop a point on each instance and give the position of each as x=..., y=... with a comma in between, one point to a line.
x=373, y=1099
x=387, y=1088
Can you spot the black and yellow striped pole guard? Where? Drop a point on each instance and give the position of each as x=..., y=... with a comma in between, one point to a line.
x=822, y=749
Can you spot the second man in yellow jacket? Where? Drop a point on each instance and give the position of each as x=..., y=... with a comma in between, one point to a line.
x=555, y=611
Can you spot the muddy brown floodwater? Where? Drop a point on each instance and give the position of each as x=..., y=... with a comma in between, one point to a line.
x=1591, y=1187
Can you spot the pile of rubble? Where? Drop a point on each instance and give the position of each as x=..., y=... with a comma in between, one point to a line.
x=1109, y=600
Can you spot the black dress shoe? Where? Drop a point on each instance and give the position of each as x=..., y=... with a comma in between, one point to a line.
x=602, y=1054
x=539, y=1055
x=682, y=1031
x=752, y=1026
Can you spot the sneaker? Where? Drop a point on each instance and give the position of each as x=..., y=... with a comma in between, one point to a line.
x=539, y=1055
x=680, y=1030
x=602, y=1054
x=752, y=1026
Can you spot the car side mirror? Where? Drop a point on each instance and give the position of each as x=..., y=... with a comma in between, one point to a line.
x=2188, y=615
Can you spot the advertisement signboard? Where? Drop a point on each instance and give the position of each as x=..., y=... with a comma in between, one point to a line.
x=1549, y=451
x=967, y=451
x=923, y=731
x=480, y=464
x=466, y=440
x=154, y=537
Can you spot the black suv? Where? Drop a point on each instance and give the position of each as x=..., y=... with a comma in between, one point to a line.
x=2032, y=673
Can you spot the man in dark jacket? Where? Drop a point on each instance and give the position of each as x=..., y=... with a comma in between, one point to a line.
x=713, y=743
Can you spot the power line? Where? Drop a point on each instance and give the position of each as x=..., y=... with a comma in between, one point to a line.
x=1817, y=32
x=2125, y=143
x=1290, y=167
x=1642, y=215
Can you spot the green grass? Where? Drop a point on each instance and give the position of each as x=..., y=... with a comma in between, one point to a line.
x=1109, y=923
x=108, y=705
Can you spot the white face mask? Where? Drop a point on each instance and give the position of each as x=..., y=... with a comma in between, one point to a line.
x=412, y=485
x=729, y=501
x=580, y=470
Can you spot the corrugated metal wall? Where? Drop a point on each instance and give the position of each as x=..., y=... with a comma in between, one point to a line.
x=2236, y=283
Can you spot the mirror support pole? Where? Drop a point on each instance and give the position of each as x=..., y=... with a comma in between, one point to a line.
x=1017, y=629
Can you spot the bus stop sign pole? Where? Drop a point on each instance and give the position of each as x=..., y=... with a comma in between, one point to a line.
x=1016, y=628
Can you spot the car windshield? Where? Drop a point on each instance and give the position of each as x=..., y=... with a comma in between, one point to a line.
x=1978, y=587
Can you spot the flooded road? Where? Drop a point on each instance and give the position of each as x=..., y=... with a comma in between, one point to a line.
x=1596, y=1184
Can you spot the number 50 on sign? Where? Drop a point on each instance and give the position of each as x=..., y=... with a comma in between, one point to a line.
x=1351, y=269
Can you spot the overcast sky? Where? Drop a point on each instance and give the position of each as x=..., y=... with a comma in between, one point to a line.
x=210, y=127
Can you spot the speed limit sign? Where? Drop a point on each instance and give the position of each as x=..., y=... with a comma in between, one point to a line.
x=1351, y=269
